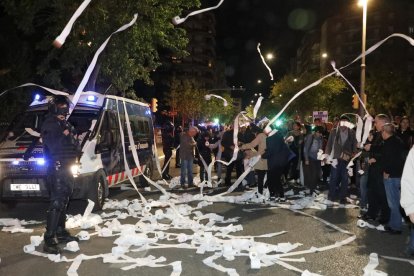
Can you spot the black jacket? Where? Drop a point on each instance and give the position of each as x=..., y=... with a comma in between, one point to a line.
x=277, y=152
x=59, y=147
x=393, y=156
x=376, y=150
x=228, y=145
x=167, y=141
x=204, y=150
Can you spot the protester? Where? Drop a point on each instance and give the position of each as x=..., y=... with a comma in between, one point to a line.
x=296, y=147
x=228, y=145
x=405, y=133
x=377, y=199
x=277, y=155
x=177, y=135
x=187, y=145
x=204, y=152
x=342, y=146
x=218, y=151
x=363, y=180
x=167, y=146
x=246, y=137
x=407, y=197
x=393, y=154
x=312, y=166
x=261, y=166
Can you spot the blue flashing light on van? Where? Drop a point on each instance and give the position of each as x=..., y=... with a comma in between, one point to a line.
x=40, y=161
x=91, y=98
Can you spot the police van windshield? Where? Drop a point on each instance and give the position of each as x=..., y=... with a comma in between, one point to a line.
x=29, y=122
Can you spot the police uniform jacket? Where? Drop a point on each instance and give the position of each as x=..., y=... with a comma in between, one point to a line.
x=58, y=146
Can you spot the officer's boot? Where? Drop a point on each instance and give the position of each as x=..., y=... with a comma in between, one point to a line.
x=50, y=243
x=63, y=236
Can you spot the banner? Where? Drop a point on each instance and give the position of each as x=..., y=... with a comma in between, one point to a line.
x=323, y=115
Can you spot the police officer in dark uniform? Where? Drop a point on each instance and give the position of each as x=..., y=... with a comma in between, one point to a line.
x=61, y=149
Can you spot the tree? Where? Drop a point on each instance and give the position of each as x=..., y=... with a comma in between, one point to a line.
x=185, y=98
x=214, y=108
x=320, y=97
x=389, y=91
x=129, y=56
x=15, y=69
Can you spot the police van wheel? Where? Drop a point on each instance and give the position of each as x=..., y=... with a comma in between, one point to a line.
x=97, y=193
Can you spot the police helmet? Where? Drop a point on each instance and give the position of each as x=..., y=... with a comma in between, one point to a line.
x=59, y=105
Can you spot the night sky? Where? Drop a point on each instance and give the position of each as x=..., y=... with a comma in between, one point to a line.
x=277, y=24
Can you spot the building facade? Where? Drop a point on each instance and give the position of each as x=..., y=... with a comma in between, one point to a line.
x=339, y=39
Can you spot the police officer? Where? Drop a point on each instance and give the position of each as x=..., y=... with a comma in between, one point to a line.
x=61, y=149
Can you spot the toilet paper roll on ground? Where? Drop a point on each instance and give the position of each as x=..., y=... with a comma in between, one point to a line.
x=254, y=260
x=227, y=248
x=105, y=232
x=361, y=223
x=83, y=235
x=160, y=234
x=28, y=248
x=36, y=240
x=159, y=214
x=182, y=238
x=147, y=208
x=72, y=246
x=118, y=250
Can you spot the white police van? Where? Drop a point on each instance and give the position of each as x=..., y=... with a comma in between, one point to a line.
x=96, y=119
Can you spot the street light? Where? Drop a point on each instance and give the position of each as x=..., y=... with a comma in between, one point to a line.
x=295, y=80
x=269, y=56
x=259, y=81
x=363, y=4
x=325, y=55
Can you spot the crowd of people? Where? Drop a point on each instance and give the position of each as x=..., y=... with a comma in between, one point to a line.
x=291, y=155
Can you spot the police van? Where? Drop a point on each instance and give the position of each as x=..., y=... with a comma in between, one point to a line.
x=97, y=120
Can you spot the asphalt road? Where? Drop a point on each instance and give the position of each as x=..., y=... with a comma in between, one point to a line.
x=349, y=259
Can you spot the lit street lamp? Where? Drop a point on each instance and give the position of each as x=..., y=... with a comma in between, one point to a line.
x=269, y=56
x=259, y=81
x=364, y=4
x=325, y=55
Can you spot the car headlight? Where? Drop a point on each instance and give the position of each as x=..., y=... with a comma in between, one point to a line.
x=75, y=169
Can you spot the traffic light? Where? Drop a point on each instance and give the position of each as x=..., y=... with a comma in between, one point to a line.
x=355, y=101
x=154, y=105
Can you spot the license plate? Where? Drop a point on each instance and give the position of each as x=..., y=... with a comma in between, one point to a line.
x=25, y=187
